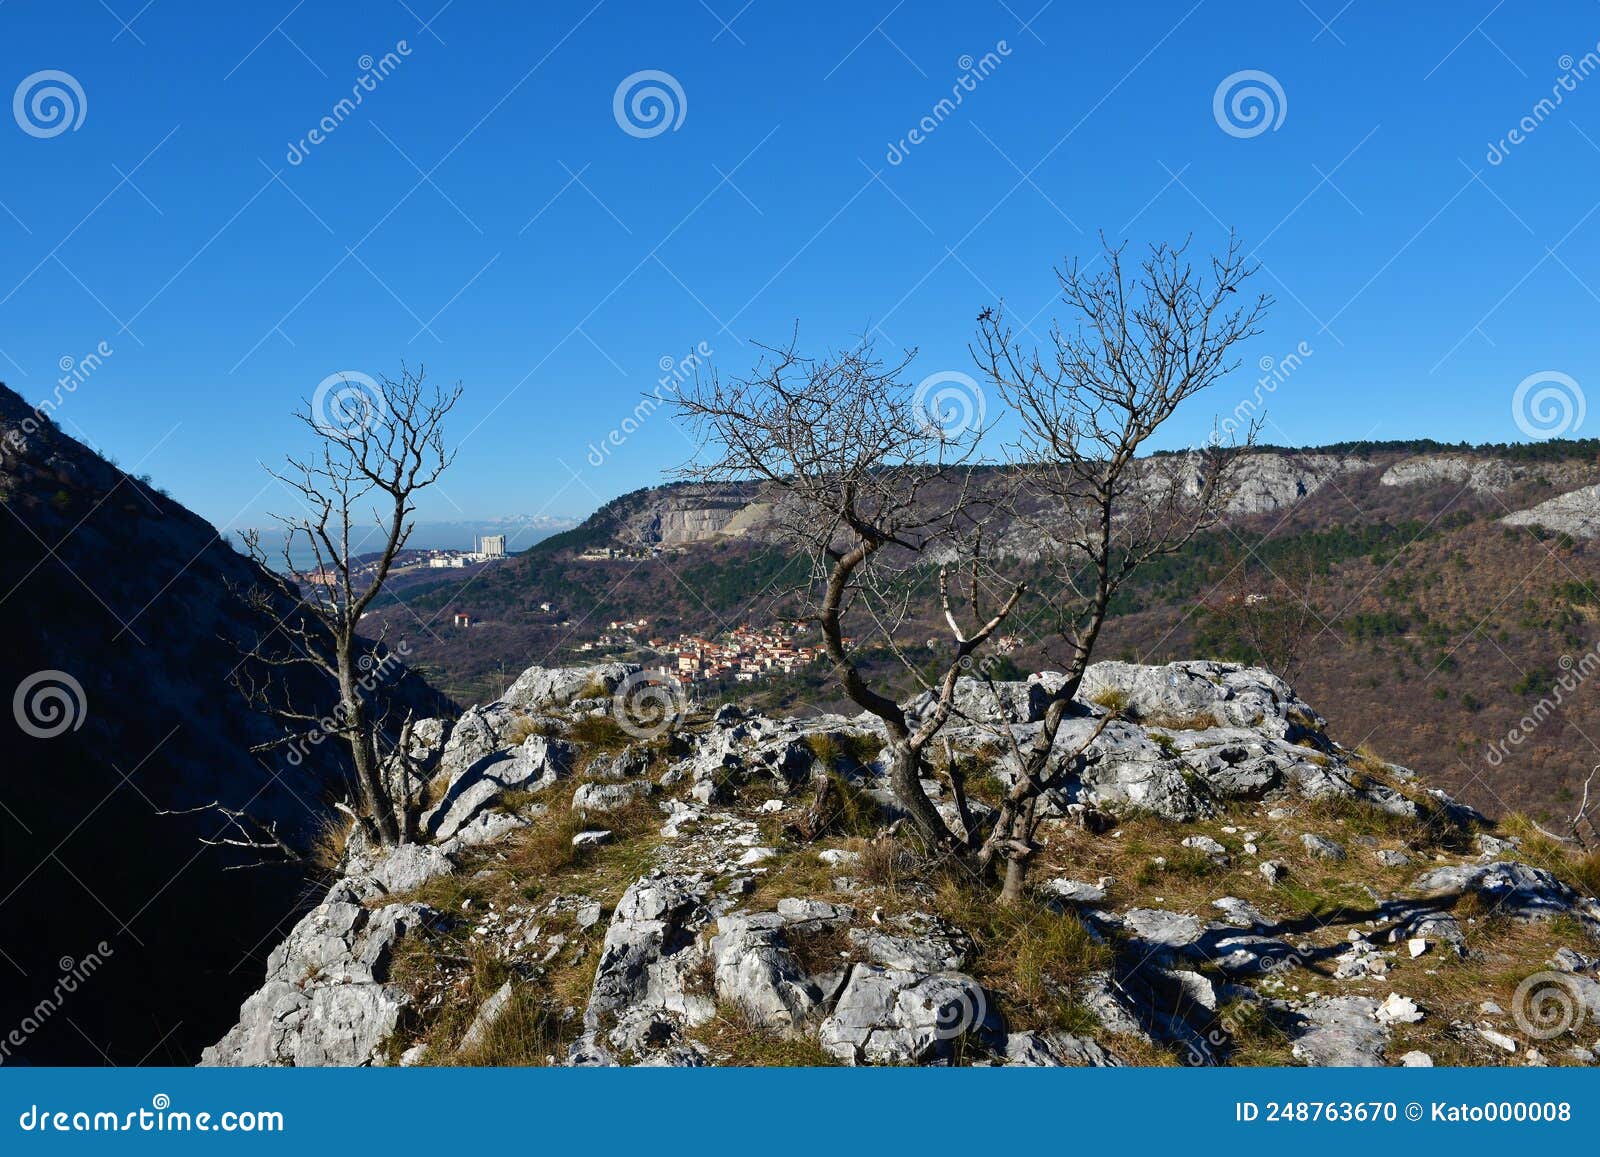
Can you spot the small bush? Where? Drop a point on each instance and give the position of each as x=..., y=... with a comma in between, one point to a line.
x=887, y=864
x=854, y=812
x=844, y=749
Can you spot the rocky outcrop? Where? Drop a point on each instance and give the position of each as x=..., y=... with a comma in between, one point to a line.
x=1481, y=474
x=326, y=1000
x=1267, y=481
x=883, y=979
x=1484, y=475
x=1576, y=513
x=534, y=766
x=540, y=688
x=683, y=515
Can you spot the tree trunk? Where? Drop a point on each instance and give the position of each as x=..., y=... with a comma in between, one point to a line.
x=905, y=766
x=375, y=800
x=1016, y=878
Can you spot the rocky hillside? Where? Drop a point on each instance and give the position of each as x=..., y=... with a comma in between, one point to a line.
x=121, y=610
x=1225, y=883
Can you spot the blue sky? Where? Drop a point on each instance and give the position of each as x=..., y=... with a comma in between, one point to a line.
x=484, y=213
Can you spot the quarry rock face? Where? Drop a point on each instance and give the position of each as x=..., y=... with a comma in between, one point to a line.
x=704, y=926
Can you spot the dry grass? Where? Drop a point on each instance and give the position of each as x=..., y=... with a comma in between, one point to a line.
x=1315, y=889
x=1584, y=873
x=841, y=750
x=1256, y=1034
x=822, y=951
x=1030, y=958
x=524, y=727
x=600, y=732
x=801, y=873
x=1198, y=721
x=330, y=840
x=854, y=812
x=1113, y=700
x=733, y=1038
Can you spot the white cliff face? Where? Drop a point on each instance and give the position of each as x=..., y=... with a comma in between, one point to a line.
x=1261, y=482
x=1480, y=475
x=1484, y=475
x=1576, y=513
x=1268, y=482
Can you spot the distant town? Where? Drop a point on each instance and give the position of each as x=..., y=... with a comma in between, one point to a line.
x=489, y=548
x=743, y=654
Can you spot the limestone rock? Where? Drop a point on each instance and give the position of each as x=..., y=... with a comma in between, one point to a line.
x=896, y=1016
x=1322, y=847
x=535, y=765
x=326, y=1000
x=605, y=797
x=543, y=687
x=1341, y=1031
x=1055, y=1049
x=1576, y=513
x=489, y=1011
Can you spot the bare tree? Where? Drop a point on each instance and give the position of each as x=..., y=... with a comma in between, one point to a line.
x=870, y=485
x=1583, y=817
x=378, y=444
x=1141, y=342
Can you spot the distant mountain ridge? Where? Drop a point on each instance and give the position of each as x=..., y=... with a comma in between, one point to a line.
x=1458, y=581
